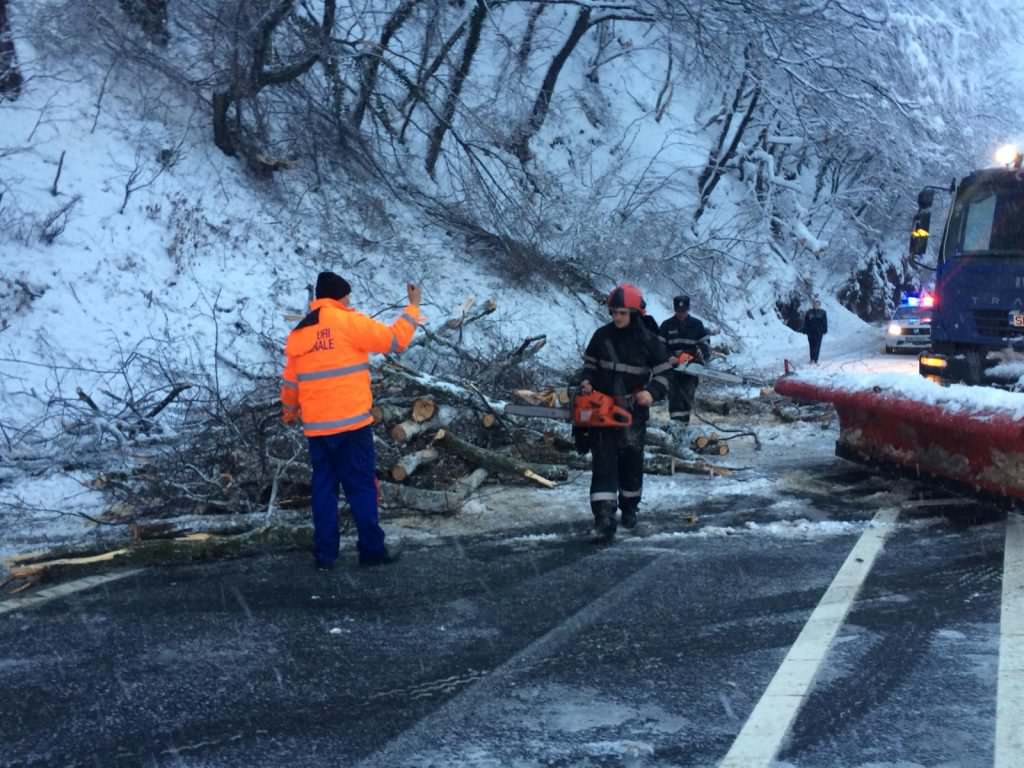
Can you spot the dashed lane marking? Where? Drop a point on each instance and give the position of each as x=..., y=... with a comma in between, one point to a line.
x=763, y=734
x=61, y=590
x=1010, y=692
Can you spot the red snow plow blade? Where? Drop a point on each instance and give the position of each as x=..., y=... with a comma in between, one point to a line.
x=981, y=450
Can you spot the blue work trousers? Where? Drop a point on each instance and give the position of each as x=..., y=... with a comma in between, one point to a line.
x=345, y=458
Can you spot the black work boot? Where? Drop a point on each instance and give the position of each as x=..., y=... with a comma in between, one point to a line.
x=391, y=554
x=629, y=517
x=604, y=520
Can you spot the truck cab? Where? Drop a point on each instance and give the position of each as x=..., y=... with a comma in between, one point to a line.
x=978, y=313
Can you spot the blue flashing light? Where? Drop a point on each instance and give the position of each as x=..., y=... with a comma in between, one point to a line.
x=916, y=299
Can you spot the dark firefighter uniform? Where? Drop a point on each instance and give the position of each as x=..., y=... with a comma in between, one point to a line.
x=815, y=326
x=621, y=362
x=684, y=335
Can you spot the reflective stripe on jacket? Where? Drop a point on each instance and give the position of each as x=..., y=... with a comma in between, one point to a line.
x=326, y=380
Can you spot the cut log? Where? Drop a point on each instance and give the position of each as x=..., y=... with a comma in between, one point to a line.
x=559, y=442
x=447, y=391
x=529, y=474
x=542, y=474
x=723, y=449
x=456, y=320
x=488, y=420
x=399, y=498
x=411, y=462
x=661, y=439
x=388, y=413
x=407, y=430
x=472, y=481
x=550, y=398
x=423, y=409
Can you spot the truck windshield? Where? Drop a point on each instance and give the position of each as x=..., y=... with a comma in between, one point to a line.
x=987, y=220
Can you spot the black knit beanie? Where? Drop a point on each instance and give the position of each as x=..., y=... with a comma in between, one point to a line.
x=331, y=286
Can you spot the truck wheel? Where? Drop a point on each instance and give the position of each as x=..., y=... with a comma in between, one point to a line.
x=888, y=350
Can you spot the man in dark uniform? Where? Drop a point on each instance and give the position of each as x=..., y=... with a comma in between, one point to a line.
x=649, y=322
x=815, y=326
x=684, y=333
x=624, y=360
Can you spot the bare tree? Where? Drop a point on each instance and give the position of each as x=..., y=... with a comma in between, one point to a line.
x=547, y=89
x=735, y=120
x=150, y=15
x=371, y=60
x=252, y=70
x=442, y=125
x=10, y=75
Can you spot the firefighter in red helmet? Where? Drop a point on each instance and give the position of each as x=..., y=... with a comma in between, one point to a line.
x=624, y=360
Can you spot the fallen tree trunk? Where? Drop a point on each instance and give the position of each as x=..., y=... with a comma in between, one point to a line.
x=409, y=463
x=542, y=474
x=403, y=497
x=665, y=465
x=191, y=547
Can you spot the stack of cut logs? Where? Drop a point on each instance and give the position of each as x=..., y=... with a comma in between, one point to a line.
x=439, y=440
x=710, y=444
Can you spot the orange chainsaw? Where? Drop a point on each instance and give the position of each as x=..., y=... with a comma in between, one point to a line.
x=593, y=410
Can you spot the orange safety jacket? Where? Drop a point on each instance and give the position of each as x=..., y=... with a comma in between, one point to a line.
x=326, y=380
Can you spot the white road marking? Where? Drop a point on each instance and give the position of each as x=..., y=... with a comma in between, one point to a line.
x=1010, y=696
x=61, y=590
x=763, y=734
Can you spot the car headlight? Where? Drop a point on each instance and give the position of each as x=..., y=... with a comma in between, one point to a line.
x=895, y=330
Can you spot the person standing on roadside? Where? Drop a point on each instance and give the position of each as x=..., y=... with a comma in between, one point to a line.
x=326, y=386
x=684, y=333
x=625, y=361
x=815, y=326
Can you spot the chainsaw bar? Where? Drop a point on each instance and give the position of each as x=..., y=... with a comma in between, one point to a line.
x=538, y=410
x=702, y=371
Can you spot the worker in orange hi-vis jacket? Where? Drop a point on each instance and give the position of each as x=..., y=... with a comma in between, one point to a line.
x=326, y=384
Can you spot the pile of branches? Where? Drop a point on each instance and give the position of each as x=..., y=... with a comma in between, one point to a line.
x=180, y=461
x=180, y=447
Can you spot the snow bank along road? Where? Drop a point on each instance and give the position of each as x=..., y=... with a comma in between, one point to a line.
x=845, y=621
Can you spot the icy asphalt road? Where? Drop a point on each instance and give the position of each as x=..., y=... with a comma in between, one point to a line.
x=782, y=628
x=537, y=648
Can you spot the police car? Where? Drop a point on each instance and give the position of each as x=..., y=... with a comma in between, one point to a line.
x=911, y=324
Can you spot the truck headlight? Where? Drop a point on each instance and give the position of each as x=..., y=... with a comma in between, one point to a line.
x=895, y=330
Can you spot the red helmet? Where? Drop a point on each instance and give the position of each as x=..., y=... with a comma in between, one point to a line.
x=626, y=296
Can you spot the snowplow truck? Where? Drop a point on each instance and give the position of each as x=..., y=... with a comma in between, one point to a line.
x=973, y=438
x=977, y=331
